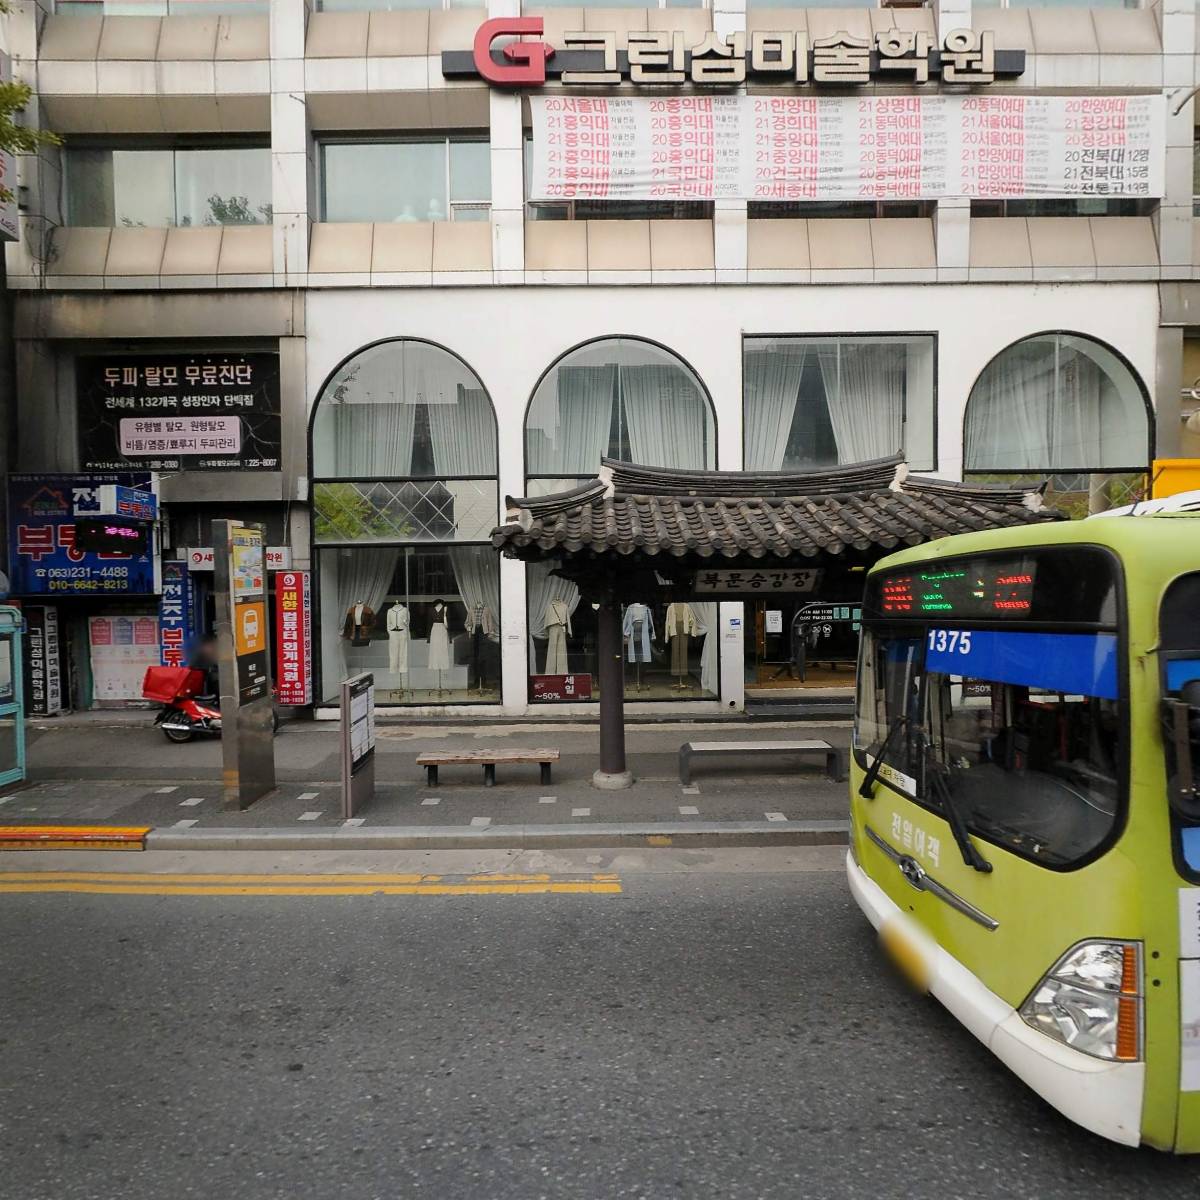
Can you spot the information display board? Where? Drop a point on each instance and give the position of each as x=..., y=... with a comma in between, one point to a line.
x=983, y=588
x=247, y=576
x=794, y=148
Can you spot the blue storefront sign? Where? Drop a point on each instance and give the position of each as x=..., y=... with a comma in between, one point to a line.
x=176, y=613
x=43, y=556
x=1078, y=664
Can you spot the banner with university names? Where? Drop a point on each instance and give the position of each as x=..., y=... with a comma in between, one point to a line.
x=780, y=148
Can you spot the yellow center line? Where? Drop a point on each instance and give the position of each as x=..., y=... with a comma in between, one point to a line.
x=563, y=887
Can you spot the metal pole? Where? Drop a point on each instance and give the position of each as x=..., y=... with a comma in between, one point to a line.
x=613, y=774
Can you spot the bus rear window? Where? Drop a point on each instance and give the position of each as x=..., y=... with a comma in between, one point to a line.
x=1179, y=650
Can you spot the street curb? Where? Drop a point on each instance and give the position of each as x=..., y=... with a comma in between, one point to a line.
x=650, y=834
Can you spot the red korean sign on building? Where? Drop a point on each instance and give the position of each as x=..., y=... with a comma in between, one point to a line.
x=561, y=687
x=293, y=637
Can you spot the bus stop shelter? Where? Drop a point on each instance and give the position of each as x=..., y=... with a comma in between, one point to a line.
x=636, y=531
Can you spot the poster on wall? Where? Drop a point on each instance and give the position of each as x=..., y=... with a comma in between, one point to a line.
x=878, y=147
x=44, y=696
x=247, y=575
x=44, y=559
x=293, y=643
x=179, y=412
x=121, y=648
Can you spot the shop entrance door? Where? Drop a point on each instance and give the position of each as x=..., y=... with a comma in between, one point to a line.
x=790, y=651
x=12, y=706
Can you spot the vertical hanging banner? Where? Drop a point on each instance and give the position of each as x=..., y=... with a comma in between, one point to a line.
x=176, y=612
x=44, y=670
x=788, y=148
x=293, y=641
x=247, y=588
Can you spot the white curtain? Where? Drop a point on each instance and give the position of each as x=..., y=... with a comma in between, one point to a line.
x=365, y=427
x=864, y=388
x=574, y=435
x=710, y=648
x=1077, y=414
x=1008, y=412
x=463, y=434
x=359, y=576
x=477, y=571
x=542, y=588
x=667, y=417
x=772, y=388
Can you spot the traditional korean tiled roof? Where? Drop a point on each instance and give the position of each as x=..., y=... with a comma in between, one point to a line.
x=870, y=507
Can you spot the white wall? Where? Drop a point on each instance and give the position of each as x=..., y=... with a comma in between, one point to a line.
x=510, y=336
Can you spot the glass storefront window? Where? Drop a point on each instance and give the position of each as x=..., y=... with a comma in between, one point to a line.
x=1057, y=402
x=816, y=402
x=425, y=620
x=404, y=491
x=436, y=179
x=160, y=8
x=195, y=186
x=391, y=5
x=669, y=650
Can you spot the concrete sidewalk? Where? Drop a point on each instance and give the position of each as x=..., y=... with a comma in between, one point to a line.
x=130, y=775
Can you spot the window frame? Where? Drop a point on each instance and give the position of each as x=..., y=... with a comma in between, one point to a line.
x=935, y=347
x=432, y=137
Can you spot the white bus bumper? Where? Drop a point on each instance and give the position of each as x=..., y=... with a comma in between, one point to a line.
x=1103, y=1097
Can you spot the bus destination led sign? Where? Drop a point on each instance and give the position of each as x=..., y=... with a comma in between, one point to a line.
x=982, y=589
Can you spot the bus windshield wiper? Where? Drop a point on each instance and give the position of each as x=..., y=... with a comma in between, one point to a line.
x=939, y=788
x=866, y=789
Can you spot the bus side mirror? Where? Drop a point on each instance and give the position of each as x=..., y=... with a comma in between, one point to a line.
x=1182, y=720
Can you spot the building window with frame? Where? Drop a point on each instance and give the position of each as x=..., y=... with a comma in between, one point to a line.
x=1058, y=4
x=161, y=8
x=181, y=186
x=409, y=179
x=825, y=401
x=404, y=468
x=1086, y=206
x=758, y=210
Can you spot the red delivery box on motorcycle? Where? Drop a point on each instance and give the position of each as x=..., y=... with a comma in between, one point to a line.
x=165, y=684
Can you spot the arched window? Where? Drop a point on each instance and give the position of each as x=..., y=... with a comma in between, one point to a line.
x=404, y=498
x=617, y=398
x=1057, y=403
x=629, y=399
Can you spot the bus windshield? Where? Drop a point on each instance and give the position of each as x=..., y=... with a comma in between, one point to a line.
x=1021, y=725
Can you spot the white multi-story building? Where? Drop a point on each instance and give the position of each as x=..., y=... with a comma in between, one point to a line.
x=292, y=211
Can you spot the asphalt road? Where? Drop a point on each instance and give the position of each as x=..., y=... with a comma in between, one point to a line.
x=721, y=1026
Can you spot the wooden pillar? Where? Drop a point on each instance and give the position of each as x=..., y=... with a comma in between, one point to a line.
x=613, y=774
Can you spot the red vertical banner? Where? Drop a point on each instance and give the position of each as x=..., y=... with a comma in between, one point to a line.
x=293, y=637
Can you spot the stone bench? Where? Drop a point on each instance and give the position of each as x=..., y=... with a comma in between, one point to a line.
x=488, y=759
x=834, y=765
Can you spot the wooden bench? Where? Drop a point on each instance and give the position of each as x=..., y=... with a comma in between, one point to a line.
x=488, y=760
x=834, y=764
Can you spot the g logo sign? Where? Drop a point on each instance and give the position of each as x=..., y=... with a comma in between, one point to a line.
x=528, y=58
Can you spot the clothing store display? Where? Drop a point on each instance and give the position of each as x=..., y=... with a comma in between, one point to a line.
x=681, y=624
x=439, y=640
x=480, y=619
x=638, y=628
x=558, y=625
x=397, y=622
x=360, y=620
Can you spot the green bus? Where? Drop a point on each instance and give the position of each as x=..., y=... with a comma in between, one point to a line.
x=1025, y=815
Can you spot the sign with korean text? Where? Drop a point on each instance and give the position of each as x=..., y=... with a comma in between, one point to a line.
x=200, y=558
x=561, y=687
x=177, y=412
x=293, y=637
x=740, y=583
x=877, y=147
x=44, y=559
x=134, y=504
x=43, y=671
x=590, y=58
x=120, y=649
x=176, y=614
x=247, y=576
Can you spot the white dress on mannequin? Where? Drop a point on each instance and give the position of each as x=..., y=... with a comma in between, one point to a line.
x=439, y=640
x=397, y=631
x=558, y=625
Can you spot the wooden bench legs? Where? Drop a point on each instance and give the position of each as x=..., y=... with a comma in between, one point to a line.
x=489, y=774
x=431, y=776
x=545, y=772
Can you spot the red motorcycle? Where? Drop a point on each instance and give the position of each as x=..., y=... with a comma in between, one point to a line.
x=185, y=710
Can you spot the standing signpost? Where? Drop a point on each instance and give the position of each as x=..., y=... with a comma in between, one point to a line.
x=358, y=742
x=247, y=717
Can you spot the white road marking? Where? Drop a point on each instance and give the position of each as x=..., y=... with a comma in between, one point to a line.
x=353, y=822
x=308, y=795
x=481, y=822
x=5, y=799
x=581, y=812
x=431, y=800
x=775, y=816
x=191, y=802
x=164, y=790
x=185, y=824
x=688, y=810
x=308, y=816
x=691, y=791
x=547, y=799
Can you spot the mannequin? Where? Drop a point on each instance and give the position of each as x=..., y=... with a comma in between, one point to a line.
x=360, y=620
x=397, y=622
x=558, y=625
x=638, y=628
x=680, y=627
x=480, y=624
x=439, y=641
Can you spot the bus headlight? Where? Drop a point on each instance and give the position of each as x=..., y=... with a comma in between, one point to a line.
x=1091, y=1001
